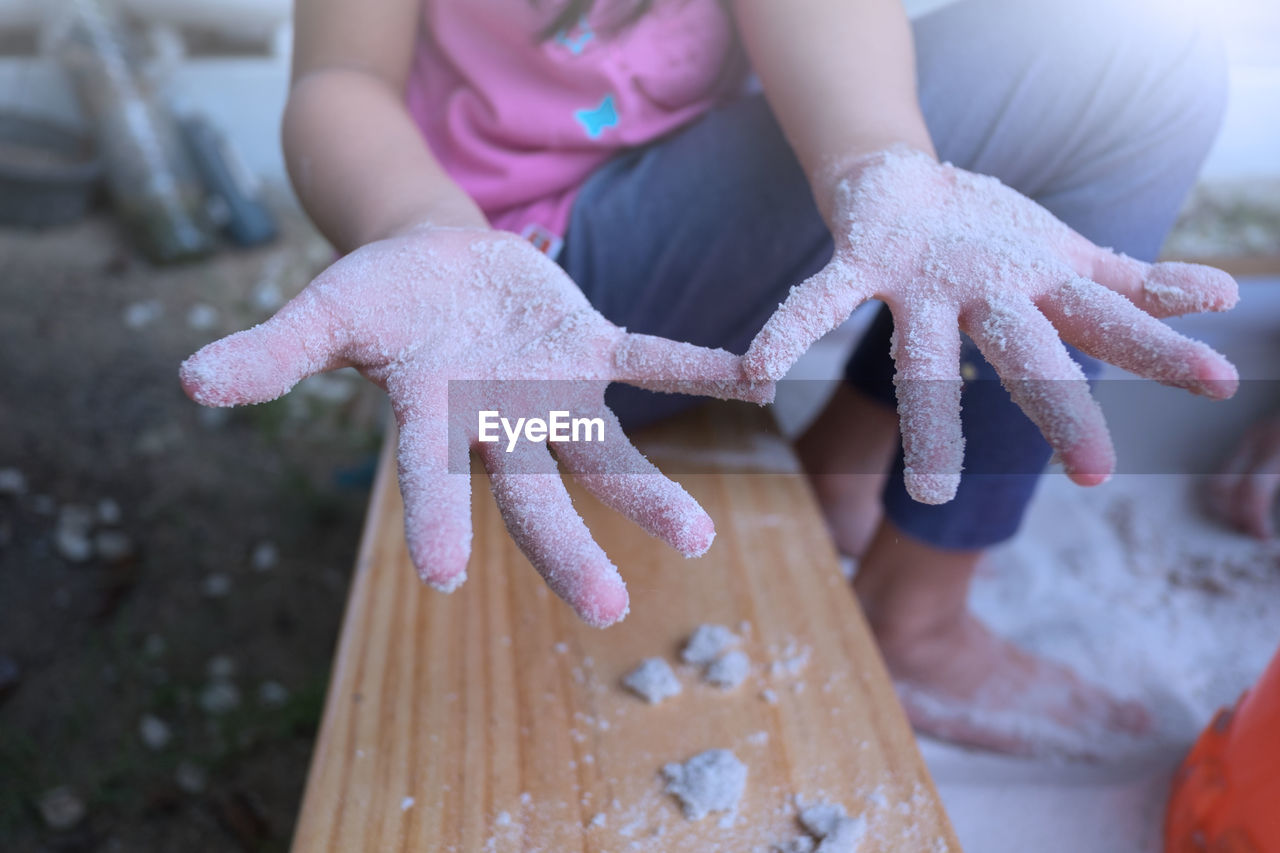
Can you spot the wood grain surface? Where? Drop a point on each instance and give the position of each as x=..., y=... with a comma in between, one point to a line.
x=493, y=720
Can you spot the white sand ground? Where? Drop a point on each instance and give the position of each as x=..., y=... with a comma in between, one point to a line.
x=1129, y=585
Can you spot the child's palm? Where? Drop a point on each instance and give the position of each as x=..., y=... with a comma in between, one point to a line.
x=489, y=314
x=951, y=251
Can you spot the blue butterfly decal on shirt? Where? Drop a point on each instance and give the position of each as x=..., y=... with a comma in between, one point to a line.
x=597, y=121
x=575, y=39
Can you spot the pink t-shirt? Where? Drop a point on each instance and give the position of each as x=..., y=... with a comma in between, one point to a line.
x=520, y=122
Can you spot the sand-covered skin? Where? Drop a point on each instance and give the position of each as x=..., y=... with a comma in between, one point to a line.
x=949, y=251
x=435, y=306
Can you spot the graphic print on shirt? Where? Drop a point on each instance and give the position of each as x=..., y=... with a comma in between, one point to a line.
x=521, y=135
x=575, y=39
x=599, y=119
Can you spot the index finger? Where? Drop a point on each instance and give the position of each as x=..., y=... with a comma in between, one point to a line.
x=661, y=364
x=262, y=363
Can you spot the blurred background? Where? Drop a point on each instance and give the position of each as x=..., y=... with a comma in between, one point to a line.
x=171, y=578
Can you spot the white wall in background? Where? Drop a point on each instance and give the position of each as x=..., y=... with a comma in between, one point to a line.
x=250, y=18
x=1249, y=143
x=243, y=96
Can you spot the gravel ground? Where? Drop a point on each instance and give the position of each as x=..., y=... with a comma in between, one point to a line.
x=171, y=578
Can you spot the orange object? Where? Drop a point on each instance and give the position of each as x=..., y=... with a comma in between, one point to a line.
x=1226, y=796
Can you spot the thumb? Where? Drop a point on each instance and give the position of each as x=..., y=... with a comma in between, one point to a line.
x=675, y=367
x=263, y=363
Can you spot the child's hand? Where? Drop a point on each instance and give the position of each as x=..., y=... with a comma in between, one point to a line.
x=949, y=250
x=1246, y=496
x=434, y=305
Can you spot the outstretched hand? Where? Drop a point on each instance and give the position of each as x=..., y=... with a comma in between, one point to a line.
x=451, y=322
x=950, y=251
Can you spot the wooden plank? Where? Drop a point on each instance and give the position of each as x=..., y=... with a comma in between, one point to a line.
x=501, y=715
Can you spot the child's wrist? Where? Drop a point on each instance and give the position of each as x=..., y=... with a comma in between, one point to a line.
x=442, y=215
x=845, y=167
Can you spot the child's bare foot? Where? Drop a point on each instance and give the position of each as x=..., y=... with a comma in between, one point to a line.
x=971, y=687
x=960, y=682
x=957, y=680
x=847, y=452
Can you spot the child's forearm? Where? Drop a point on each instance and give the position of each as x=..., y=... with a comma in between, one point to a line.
x=359, y=164
x=839, y=75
